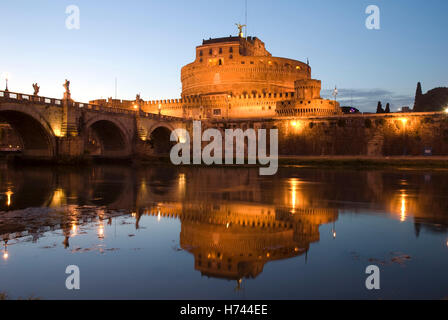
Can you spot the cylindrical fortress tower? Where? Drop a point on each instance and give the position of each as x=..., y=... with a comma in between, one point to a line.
x=307, y=89
x=239, y=66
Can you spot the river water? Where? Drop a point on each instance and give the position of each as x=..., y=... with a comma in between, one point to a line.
x=222, y=233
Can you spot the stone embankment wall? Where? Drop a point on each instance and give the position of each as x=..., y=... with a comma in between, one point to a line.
x=370, y=135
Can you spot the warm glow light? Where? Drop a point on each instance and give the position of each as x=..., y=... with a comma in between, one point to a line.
x=135, y=106
x=5, y=255
x=404, y=121
x=294, y=124
x=6, y=75
x=159, y=217
x=58, y=199
x=74, y=229
x=446, y=110
x=101, y=231
x=8, y=194
x=403, y=208
x=293, y=183
x=334, y=234
x=57, y=132
x=182, y=183
x=182, y=139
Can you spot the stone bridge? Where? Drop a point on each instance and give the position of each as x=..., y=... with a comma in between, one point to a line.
x=51, y=129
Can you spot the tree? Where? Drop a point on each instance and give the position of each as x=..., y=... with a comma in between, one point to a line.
x=418, y=96
x=387, y=108
x=379, y=108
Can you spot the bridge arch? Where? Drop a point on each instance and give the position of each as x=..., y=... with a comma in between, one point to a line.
x=107, y=137
x=159, y=135
x=37, y=136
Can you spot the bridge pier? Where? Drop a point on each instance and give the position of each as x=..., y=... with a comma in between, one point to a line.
x=70, y=148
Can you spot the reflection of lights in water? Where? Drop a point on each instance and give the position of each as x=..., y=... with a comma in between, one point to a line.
x=181, y=183
x=293, y=183
x=58, y=198
x=100, y=213
x=228, y=225
x=101, y=230
x=8, y=194
x=159, y=217
x=5, y=252
x=74, y=229
x=334, y=234
x=403, y=208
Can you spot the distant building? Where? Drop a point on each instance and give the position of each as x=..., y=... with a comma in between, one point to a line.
x=406, y=109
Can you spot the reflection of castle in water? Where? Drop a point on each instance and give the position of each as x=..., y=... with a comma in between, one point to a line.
x=235, y=241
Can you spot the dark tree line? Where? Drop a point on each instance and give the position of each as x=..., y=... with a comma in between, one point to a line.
x=379, y=108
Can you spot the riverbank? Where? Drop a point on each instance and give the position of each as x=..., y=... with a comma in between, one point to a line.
x=342, y=161
x=440, y=162
x=365, y=161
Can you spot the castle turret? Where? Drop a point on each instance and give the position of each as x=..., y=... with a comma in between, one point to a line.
x=307, y=89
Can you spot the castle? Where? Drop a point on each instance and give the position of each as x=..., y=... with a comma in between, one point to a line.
x=237, y=78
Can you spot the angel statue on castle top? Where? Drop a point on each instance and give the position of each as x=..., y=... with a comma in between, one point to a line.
x=240, y=29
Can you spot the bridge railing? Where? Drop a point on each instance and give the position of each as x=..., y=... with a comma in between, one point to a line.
x=22, y=97
x=29, y=98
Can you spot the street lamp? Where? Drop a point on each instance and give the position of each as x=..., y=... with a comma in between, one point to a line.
x=446, y=110
x=6, y=76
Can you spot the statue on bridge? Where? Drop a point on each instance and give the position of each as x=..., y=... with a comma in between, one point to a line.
x=66, y=85
x=36, y=89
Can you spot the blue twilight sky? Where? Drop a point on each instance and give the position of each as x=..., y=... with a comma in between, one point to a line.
x=145, y=43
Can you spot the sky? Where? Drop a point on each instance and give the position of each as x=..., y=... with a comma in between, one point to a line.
x=143, y=44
